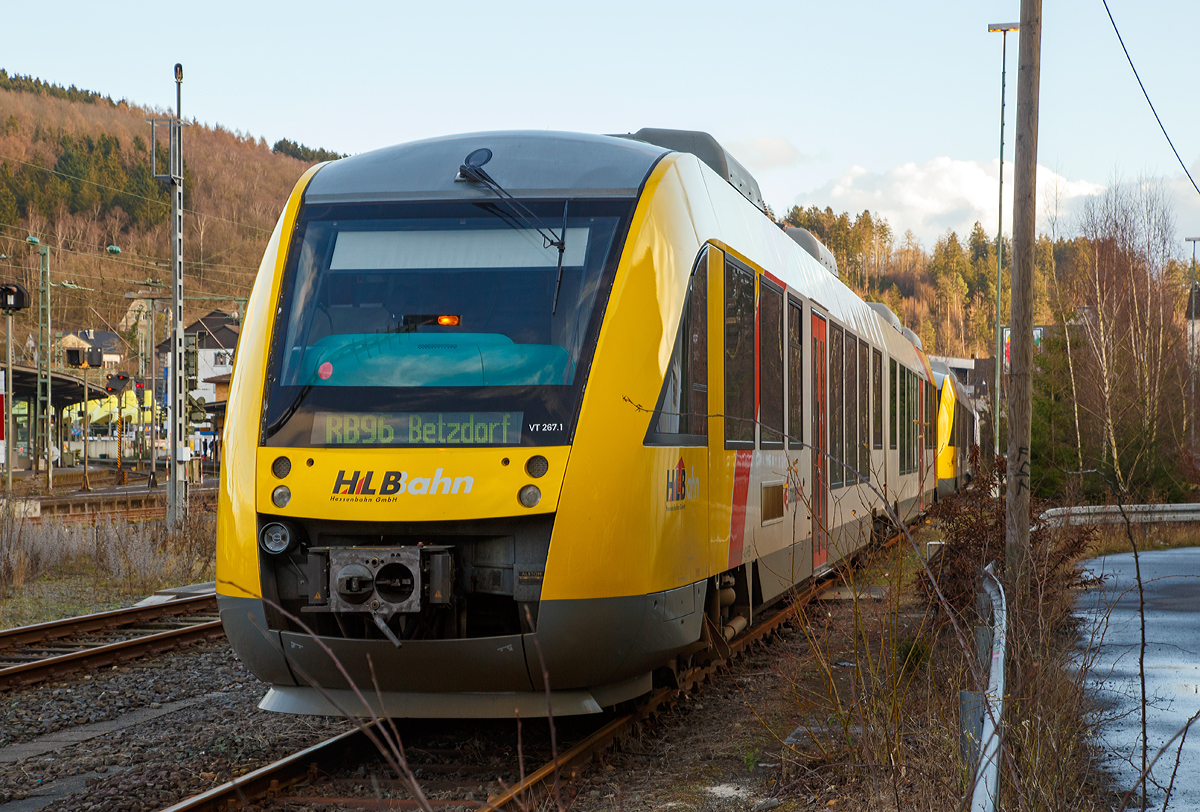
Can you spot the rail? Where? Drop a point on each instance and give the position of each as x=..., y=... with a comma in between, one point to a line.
x=29, y=662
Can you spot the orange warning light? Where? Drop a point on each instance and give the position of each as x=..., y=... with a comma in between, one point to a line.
x=448, y=321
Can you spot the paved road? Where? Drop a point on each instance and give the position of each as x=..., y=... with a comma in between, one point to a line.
x=1111, y=639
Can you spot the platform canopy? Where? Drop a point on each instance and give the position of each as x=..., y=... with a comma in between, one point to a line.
x=65, y=389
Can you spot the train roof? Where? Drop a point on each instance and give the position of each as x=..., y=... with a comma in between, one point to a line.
x=527, y=163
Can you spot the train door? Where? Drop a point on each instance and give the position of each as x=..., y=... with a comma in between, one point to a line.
x=678, y=437
x=922, y=473
x=820, y=443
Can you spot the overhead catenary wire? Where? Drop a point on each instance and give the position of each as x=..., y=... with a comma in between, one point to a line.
x=1147, y=95
x=110, y=259
x=129, y=194
x=149, y=259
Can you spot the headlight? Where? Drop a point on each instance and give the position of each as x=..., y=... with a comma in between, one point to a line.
x=529, y=496
x=275, y=538
x=281, y=496
x=537, y=466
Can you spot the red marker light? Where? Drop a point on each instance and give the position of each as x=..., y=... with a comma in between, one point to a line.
x=325, y=370
x=448, y=321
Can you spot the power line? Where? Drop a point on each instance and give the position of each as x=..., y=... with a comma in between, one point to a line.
x=151, y=262
x=148, y=257
x=1147, y=95
x=130, y=194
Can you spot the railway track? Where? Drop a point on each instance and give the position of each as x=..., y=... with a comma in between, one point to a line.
x=32, y=654
x=292, y=780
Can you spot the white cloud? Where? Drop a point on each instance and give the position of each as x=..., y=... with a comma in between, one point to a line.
x=941, y=194
x=766, y=153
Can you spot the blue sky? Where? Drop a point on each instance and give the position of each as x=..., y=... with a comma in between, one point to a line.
x=891, y=106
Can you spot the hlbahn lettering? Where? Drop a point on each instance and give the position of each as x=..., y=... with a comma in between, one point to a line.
x=362, y=485
x=680, y=486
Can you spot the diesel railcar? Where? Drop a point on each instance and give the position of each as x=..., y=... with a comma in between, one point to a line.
x=955, y=430
x=573, y=401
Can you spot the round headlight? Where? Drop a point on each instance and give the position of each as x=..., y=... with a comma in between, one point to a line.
x=530, y=496
x=281, y=467
x=537, y=466
x=275, y=538
x=281, y=496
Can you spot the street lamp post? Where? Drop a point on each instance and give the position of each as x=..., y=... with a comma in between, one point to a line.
x=1003, y=28
x=1191, y=315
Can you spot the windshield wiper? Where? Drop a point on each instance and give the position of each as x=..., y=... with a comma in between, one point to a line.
x=472, y=169
x=292, y=408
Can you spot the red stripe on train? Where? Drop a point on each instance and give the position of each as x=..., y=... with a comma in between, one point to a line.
x=737, y=523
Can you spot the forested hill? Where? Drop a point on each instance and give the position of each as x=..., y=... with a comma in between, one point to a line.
x=75, y=173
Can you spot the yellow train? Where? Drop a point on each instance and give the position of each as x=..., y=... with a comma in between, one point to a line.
x=515, y=399
x=956, y=430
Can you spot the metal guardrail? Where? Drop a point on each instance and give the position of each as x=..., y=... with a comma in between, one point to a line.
x=1111, y=514
x=980, y=715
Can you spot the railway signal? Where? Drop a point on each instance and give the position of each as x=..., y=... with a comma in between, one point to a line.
x=115, y=386
x=116, y=382
x=13, y=297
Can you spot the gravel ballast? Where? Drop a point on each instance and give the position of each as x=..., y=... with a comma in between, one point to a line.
x=157, y=731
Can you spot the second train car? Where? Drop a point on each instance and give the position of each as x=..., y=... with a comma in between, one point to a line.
x=514, y=398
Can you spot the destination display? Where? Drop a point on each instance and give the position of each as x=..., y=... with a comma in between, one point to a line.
x=416, y=428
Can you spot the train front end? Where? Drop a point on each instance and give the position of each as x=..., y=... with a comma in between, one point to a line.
x=409, y=379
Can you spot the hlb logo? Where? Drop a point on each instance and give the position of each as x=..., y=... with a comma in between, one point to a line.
x=394, y=483
x=680, y=486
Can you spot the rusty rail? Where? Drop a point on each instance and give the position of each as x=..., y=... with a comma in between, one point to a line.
x=96, y=656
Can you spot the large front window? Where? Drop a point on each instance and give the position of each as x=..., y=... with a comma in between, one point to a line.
x=438, y=324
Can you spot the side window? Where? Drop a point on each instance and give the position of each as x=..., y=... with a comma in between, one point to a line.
x=850, y=449
x=698, y=336
x=739, y=356
x=795, y=374
x=903, y=427
x=681, y=414
x=895, y=399
x=770, y=365
x=864, y=410
x=877, y=415
x=930, y=416
x=837, y=410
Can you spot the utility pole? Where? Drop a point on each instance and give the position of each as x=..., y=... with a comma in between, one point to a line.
x=45, y=412
x=177, y=497
x=1020, y=390
x=1191, y=321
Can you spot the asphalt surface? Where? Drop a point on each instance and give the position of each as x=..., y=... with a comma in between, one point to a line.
x=1110, y=647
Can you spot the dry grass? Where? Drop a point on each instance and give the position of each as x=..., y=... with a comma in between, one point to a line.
x=881, y=701
x=88, y=567
x=1111, y=539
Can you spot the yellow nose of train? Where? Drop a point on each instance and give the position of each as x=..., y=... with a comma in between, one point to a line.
x=509, y=404
x=419, y=485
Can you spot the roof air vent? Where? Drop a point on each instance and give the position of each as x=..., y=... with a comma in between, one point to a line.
x=808, y=241
x=886, y=314
x=710, y=152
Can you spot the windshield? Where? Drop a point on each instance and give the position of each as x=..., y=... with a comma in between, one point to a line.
x=435, y=324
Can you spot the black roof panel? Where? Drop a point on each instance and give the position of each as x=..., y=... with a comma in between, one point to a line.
x=531, y=163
